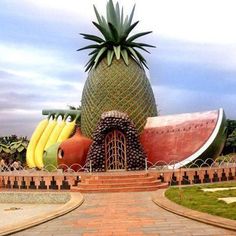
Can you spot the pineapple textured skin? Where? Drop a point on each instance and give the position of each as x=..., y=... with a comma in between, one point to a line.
x=120, y=87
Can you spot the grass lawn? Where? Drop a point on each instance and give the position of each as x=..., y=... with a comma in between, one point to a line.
x=193, y=197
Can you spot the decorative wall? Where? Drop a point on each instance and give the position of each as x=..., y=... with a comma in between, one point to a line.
x=134, y=152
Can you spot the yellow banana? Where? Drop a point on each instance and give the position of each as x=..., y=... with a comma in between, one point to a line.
x=38, y=158
x=33, y=143
x=67, y=131
x=55, y=134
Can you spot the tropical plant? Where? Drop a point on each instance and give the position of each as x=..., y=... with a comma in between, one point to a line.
x=14, y=148
x=116, y=80
x=7, y=140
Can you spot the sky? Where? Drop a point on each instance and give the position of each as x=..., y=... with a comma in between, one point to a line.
x=192, y=68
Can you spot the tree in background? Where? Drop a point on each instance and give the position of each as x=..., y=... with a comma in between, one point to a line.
x=231, y=126
x=230, y=144
x=13, y=148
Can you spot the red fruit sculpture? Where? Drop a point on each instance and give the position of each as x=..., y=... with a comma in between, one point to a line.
x=72, y=152
x=182, y=139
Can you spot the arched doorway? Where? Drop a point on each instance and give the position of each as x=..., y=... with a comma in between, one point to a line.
x=103, y=154
x=115, y=150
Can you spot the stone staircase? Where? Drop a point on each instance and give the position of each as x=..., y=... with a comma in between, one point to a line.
x=119, y=182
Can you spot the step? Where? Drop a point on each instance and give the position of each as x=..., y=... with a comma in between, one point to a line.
x=125, y=175
x=118, y=180
x=118, y=184
x=121, y=189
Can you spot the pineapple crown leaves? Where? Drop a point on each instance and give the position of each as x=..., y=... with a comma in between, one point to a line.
x=116, y=42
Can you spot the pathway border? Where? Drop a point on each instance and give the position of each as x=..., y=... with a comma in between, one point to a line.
x=76, y=200
x=163, y=202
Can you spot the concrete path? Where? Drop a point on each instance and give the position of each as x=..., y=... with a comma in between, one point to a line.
x=42, y=208
x=13, y=213
x=123, y=214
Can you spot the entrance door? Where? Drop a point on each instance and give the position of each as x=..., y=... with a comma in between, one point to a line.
x=115, y=151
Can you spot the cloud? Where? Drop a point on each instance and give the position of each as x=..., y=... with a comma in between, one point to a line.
x=210, y=21
x=194, y=66
x=25, y=55
x=33, y=79
x=176, y=101
x=25, y=92
x=211, y=55
x=38, y=59
x=23, y=98
x=19, y=122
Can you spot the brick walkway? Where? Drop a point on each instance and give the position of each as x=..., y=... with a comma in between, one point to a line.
x=122, y=214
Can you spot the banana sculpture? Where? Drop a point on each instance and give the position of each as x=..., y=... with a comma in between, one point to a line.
x=45, y=135
x=38, y=158
x=61, y=132
x=55, y=134
x=30, y=154
x=67, y=131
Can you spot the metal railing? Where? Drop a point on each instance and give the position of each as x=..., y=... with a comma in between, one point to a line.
x=220, y=169
x=157, y=166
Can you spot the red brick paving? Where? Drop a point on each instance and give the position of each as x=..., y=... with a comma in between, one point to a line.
x=122, y=214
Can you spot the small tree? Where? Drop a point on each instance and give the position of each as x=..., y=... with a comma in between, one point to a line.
x=231, y=126
x=231, y=141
